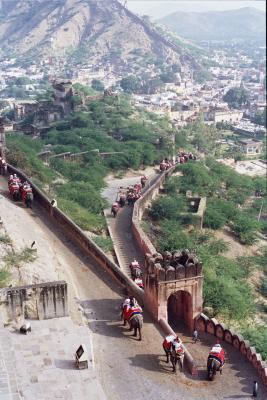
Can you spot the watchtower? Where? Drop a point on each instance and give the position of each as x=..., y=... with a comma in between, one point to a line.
x=173, y=287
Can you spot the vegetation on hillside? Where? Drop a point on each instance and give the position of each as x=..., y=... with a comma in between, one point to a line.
x=132, y=138
x=230, y=203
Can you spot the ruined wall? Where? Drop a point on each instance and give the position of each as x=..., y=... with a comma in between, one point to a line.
x=40, y=301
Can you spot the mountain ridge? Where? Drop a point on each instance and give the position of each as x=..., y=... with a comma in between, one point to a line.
x=42, y=27
x=242, y=23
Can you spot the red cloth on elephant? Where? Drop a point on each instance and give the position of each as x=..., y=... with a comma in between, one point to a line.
x=168, y=342
x=129, y=312
x=24, y=192
x=218, y=352
x=13, y=187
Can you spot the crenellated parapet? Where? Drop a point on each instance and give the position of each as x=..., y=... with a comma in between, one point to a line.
x=173, y=285
x=172, y=266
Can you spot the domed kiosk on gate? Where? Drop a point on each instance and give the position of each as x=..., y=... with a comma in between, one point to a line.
x=173, y=287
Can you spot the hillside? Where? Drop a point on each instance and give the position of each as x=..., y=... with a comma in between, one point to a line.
x=244, y=23
x=87, y=30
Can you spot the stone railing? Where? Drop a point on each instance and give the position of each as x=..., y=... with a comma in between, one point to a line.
x=70, y=229
x=213, y=327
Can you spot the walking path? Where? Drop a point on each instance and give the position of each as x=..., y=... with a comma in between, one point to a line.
x=125, y=367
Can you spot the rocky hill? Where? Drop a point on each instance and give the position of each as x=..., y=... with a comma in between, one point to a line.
x=244, y=23
x=89, y=29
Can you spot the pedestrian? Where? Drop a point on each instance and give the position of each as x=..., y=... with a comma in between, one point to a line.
x=255, y=389
x=195, y=336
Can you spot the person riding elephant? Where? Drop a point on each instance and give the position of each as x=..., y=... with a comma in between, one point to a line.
x=218, y=353
x=167, y=344
x=177, y=355
x=122, y=199
x=114, y=209
x=143, y=181
x=216, y=360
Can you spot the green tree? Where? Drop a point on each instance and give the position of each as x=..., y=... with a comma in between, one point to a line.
x=236, y=97
x=130, y=84
x=97, y=85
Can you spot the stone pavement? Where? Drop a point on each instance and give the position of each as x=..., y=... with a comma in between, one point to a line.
x=40, y=365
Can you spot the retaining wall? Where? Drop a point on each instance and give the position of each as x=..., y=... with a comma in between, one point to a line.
x=71, y=230
x=213, y=327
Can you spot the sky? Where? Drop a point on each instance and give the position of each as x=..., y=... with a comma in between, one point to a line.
x=159, y=8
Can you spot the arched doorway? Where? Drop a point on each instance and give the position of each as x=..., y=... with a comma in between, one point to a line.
x=180, y=311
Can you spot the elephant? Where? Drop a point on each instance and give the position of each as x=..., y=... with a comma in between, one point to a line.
x=136, y=323
x=213, y=365
x=177, y=355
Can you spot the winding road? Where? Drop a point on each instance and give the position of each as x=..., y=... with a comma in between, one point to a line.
x=127, y=368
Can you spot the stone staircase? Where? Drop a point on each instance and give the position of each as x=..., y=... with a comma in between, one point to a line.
x=124, y=245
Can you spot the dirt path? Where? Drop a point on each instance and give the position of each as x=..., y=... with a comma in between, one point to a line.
x=127, y=368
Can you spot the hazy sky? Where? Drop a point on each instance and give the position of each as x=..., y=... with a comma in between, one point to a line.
x=158, y=8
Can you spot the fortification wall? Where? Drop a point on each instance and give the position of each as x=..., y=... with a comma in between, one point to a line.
x=86, y=245
x=70, y=229
x=213, y=327
x=210, y=326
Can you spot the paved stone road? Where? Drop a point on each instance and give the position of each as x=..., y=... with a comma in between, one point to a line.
x=43, y=363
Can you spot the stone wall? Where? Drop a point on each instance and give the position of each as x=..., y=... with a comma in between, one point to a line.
x=151, y=299
x=174, y=274
x=71, y=230
x=40, y=301
x=213, y=327
x=140, y=206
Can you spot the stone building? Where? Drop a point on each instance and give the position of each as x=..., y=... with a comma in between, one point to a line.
x=227, y=116
x=250, y=146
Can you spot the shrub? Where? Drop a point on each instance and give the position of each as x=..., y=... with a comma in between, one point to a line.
x=257, y=336
x=4, y=277
x=167, y=208
x=85, y=219
x=213, y=219
x=83, y=194
x=263, y=287
x=245, y=228
x=105, y=243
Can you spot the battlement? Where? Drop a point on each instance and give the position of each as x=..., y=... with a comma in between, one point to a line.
x=178, y=265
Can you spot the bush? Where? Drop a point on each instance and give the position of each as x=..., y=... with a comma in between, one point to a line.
x=83, y=194
x=4, y=277
x=263, y=287
x=167, y=208
x=257, y=336
x=245, y=229
x=173, y=238
x=105, y=243
x=85, y=219
x=213, y=219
